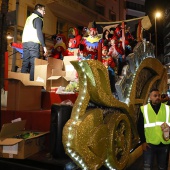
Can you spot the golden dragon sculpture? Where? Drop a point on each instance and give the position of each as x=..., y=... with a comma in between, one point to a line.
x=106, y=135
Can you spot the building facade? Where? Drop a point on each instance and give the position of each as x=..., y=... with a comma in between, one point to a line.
x=24, y=9
x=167, y=42
x=63, y=14
x=167, y=36
x=134, y=9
x=80, y=12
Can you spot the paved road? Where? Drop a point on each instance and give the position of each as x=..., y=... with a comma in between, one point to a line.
x=138, y=164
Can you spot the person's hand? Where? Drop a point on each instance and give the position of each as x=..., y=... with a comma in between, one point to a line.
x=45, y=51
x=165, y=130
x=145, y=146
x=10, y=44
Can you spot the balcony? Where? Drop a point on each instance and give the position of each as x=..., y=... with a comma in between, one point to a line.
x=74, y=12
x=83, y=2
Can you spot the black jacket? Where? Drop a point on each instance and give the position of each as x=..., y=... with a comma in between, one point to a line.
x=38, y=25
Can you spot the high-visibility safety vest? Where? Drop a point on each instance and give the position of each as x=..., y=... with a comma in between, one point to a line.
x=29, y=32
x=165, y=102
x=153, y=122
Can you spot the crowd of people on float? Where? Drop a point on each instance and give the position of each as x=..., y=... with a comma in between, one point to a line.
x=88, y=40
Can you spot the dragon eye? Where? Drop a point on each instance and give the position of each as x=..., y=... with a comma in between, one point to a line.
x=58, y=38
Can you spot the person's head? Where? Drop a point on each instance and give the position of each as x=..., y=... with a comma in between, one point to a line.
x=40, y=8
x=155, y=96
x=113, y=41
x=104, y=50
x=164, y=97
x=93, y=29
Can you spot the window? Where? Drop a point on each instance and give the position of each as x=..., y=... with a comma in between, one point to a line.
x=134, y=6
x=83, y=2
x=112, y=15
x=60, y=27
x=100, y=9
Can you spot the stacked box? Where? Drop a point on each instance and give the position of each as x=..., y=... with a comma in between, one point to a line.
x=13, y=145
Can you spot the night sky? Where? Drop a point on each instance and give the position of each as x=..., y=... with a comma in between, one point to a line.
x=154, y=5
x=151, y=7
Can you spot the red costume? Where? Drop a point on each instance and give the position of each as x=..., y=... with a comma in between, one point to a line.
x=59, y=49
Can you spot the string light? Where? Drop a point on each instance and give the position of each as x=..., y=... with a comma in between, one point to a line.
x=73, y=155
x=84, y=76
x=69, y=150
x=68, y=144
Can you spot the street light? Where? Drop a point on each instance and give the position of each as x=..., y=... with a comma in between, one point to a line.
x=157, y=15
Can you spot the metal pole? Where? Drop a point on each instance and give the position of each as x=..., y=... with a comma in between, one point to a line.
x=1, y=58
x=155, y=39
x=119, y=10
x=15, y=37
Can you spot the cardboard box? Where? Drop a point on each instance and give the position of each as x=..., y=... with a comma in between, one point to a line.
x=56, y=81
x=21, y=97
x=24, y=78
x=54, y=72
x=55, y=63
x=44, y=70
x=17, y=147
x=69, y=68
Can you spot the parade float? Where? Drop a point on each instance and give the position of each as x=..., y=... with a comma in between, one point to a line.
x=102, y=129
x=114, y=80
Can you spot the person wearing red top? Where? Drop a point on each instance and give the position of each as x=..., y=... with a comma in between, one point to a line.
x=110, y=64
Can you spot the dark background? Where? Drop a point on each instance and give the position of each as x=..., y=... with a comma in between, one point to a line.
x=151, y=7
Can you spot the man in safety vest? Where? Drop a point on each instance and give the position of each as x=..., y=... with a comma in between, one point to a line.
x=32, y=38
x=153, y=129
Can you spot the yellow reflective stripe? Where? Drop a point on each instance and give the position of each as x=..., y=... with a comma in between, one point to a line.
x=147, y=124
x=167, y=113
x=159, y=123
x=153, y=124
x=146, y=114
